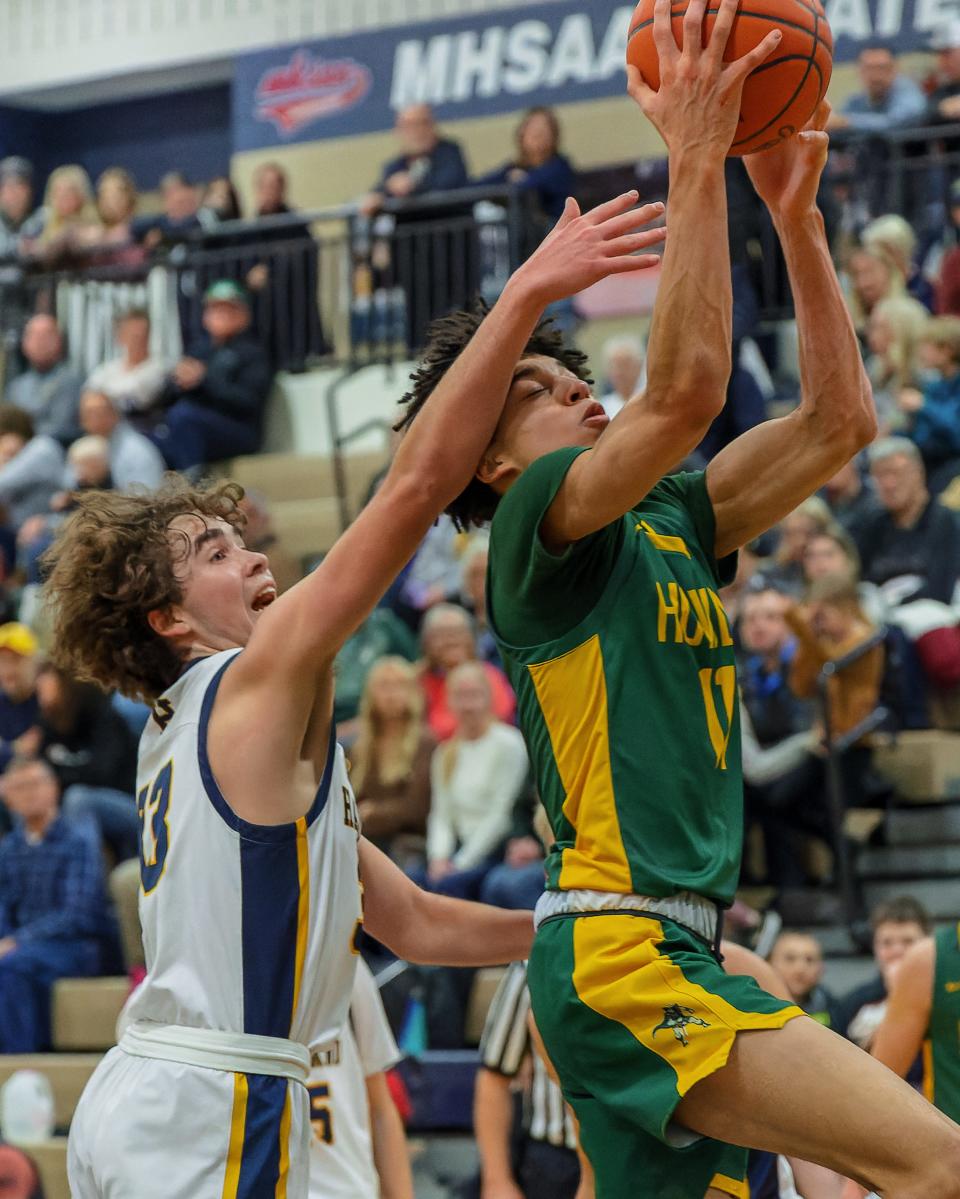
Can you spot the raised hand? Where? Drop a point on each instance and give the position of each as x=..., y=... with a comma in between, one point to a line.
x=583, y=248
x=787, y=177
x=698, y=104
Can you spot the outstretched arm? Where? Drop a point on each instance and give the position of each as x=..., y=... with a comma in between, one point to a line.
x=432, y=929
x=771, y=469
x=696, y=111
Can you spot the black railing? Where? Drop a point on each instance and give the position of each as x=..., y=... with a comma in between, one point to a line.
x=836, y=747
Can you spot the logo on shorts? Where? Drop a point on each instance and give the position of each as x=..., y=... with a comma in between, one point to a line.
x=308, y=88
x=678, y=1019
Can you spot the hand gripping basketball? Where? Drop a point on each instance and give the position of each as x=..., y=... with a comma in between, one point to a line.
x=697, y=106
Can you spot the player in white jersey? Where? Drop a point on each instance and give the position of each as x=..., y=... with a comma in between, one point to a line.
x=359, y=1148
x=250, y=842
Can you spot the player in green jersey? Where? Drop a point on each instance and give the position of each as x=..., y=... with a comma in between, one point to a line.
x=603, y=594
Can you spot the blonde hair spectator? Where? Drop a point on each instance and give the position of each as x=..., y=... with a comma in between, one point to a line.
x=69, y=203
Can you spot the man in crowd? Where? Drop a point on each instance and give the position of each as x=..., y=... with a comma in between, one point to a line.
x=623, y=368
x=31, y=467
x=911, y=549
x=54, y=920
x=798, y=959
x=18, y=218
x=945, y=99
x=888, y=100
x=426, y=162
x=219, y=392
x=181, y=202
x=134, y=381
x=851, y=499
x=49, y=390
x=19, y=709
x=134, y=459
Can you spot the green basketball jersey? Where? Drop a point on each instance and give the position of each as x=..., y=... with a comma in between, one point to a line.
x=941, y=1050
x=623, y=663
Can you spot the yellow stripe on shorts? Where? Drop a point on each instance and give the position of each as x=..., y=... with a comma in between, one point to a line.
x=281, y=1189
x=621, y=974
x=238, y=1122
x=730, y=1186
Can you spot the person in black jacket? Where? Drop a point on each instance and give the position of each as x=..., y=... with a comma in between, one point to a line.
x=94, y=755
x=217, y=395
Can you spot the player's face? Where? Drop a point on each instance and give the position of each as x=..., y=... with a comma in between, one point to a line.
x=548, y=408
x=892, y=939
x=225, y=585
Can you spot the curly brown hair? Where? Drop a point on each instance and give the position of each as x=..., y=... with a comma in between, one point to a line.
x=447, y=338
x=112, y=563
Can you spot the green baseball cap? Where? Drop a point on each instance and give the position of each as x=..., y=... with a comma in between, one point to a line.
x=226, y=291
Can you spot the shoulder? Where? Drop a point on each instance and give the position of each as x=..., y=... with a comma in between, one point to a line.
x=534, y=490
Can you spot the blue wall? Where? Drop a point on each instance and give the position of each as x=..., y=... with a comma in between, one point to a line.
x=188, y=131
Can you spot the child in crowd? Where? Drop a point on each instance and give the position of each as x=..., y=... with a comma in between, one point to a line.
x=798, y=959
x=933, y=412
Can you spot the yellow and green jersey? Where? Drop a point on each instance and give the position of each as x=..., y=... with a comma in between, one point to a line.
x=941, y=1050
x=622, y=659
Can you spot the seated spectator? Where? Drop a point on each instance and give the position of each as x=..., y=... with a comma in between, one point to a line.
x=219, y=392
x=911, y=549
x=134, y=460
x=179, y=216
x=19, y=707
x=894, y=331
x=624, y=369
x=382, y=634
x=49, y=390
x=427, y=162
x=475, y=778
x=220, y=203
x=897, y=924
x=874, y=276
x=19, y=219
x=828, y=625
x=111, y=242
x=527, y=1150
x=798, y=959
x=944, y=100
x=70, y=218
x=135, y=381
x=942, y=261
x=834, y=553
x=538, y=167
x=54, y=920
x=448, y=641
x=390, y=761
x=889, y=98
x=852, y=500
x=785, y=572
x=473, y=595
x=895, y=236
x=932, y=411
x=519, y=880
x=432, y=577
x=94, y=754
x=31, y=467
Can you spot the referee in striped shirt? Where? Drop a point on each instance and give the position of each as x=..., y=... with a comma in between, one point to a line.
x=528, y=1148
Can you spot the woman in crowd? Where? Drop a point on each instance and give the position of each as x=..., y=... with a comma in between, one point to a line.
x=894, y=330
x=895, y=236
x=538, y=166
x=785, y=573
x=220, y=203
x=874, y=276
x=833, y=553
x=71, y=218
x=390, y=761
x=476, y=778
x=448, y=641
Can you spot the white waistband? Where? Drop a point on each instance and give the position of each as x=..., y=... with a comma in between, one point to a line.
x=694, y=912
x=237, y=1053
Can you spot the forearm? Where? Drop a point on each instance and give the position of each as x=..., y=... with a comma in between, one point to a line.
x=687, y=361
x=390, y=1155
x=492, y=1125
x=835, y=394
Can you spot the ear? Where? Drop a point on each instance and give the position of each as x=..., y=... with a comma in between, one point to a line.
x=493, y=468
x=166, y=622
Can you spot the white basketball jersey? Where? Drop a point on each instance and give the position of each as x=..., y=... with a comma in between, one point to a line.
x=246, y=928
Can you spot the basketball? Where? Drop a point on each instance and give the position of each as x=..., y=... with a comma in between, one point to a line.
x=781, y=95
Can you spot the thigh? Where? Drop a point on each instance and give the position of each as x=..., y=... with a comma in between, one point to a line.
x=805, y=1092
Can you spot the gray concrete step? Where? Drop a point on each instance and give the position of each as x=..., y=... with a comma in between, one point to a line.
x=941, y=897
x=909, y=861
x=924, y=826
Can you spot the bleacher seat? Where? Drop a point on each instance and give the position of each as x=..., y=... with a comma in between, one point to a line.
x=484, y=988
x=66, y=1072
x=923, y=764
x=85, y=1012
x=51, y=1158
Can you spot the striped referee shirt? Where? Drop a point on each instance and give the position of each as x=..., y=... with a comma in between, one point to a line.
x=503, y=1048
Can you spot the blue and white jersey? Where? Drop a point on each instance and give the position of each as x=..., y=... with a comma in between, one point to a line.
x=246, y=928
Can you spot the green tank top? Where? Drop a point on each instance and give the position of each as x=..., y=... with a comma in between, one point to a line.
x=941, y=1050
x=622, y=659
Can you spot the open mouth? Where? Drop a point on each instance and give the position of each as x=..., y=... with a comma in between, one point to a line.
x=595, y=417
x=264, y=599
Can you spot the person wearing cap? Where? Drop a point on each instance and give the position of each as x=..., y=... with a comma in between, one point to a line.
x=54, y=918
x=218, y=394
x=19, y=219
x=19, y=707
x=945, y=98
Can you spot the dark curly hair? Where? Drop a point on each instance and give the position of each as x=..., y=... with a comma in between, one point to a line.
x=112, y=563
x=447, y=338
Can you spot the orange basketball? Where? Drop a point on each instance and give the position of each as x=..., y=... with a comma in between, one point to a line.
x=781, y=95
